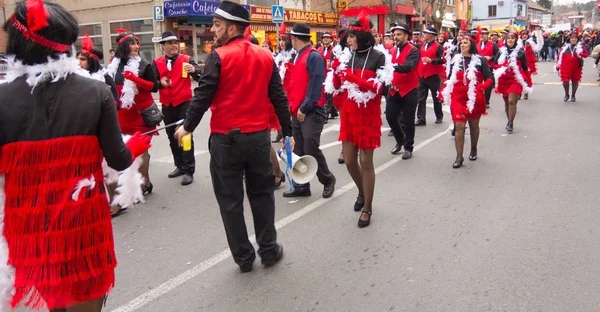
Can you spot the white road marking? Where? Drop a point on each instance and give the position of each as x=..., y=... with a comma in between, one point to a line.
x=176, y=281
x=169, y=159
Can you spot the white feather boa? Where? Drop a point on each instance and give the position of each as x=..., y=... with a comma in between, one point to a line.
x=448, y=49
x=578, y=51
x=98, y=76
x=53, y=71
x=129, y=87
x=385, y=74
x=129, y=182
x=7, y=273
x=536, y=46
x=510, y=61
x=282, y=58
x=344, y=57
x=470, y=73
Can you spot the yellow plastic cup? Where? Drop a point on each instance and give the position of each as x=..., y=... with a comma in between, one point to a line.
x=184, y=73
x=187, y=142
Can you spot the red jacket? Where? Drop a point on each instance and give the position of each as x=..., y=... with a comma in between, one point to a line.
x=245, y=104
x=403, y=83
x=181, y=88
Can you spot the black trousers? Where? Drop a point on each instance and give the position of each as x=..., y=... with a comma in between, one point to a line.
x=432, y=84
x=397, y=105
x=329, y=105
x=186, y=161
x=233, y=156
x=488, y=91
x=307, y=135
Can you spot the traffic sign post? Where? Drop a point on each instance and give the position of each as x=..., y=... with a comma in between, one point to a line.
x=277, y=14
x=159, y=13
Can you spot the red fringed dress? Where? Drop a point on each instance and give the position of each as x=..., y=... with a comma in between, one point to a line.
x=465, y=88
x=56, y=221
x=531, y=60
x=570, y=62
x=360, y=120
x=511, y=73
x=130, y=118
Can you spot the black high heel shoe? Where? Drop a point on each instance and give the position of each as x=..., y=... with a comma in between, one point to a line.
x=281, y=180
x=359, y=206
x=566, y=98
x=364, y=223
x=458, y=164
x=278, y=138
x=509, y=128
x=473, y=156
x=147, y=189
x=573, y=99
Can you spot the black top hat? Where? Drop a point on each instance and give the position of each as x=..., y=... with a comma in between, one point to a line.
x=430, y=30
x=168, y=36
x=484, y=31
x=300, y=30
x=326, y=34
x=505, y=31
x=234, y=12
x=416, y=32
x=402, y=27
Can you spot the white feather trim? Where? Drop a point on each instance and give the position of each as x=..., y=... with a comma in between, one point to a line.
x=328, y=84
x=282, y=58
x=448, y=49
x=129, y=182
x=447, y=93
x=385, y=74
x=83, y=183
x=130, y=89
x=53, y=71
x=510, y=61
x=537, y=46
x=472, y=77
x=344, y=57
x=7, y=273
x=355, y=94
x=98, y=76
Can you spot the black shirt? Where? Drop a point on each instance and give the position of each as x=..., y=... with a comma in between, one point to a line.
x=207, y=88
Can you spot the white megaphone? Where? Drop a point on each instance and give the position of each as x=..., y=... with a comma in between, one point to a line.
x=303, y=168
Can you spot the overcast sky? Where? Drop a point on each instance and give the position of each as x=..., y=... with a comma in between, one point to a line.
x=562, y=2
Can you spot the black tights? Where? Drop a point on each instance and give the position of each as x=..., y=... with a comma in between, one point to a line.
x=90, y=306
x=459, y=138
x=574, y=89
x=510, y=107
x=363, y=174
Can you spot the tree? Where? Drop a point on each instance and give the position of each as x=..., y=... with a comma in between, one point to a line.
x=546, y=4
x=433, y=11
x=392, y=17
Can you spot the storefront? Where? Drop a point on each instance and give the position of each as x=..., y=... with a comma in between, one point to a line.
x=192, y=21
x=376, y=14
x=263, y=29
x=406, y=14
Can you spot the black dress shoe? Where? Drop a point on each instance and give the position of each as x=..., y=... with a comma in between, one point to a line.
x=176, y=173
x=407, y=155
x=390, y=133
x=420, y=123
x=396, y=150
x=297, y=193
x=245, y=268
x=187, y=179
x=439, y=121
x=273, y=261
x=364, y=223
x=329, y=189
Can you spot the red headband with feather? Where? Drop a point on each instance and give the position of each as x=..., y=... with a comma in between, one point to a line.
x=364, y=21
x=120, y=31
x=87, y=46
x=282, y=33
x=37, y=19
x=248, y=34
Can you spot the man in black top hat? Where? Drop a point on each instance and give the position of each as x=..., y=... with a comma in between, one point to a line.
x=240, y=142
x=432, y=59
x=307, y=104
x=326, y=50
x=174, y=72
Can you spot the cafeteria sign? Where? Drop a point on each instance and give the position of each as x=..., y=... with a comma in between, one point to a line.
x=261, y=13
x=174, y=8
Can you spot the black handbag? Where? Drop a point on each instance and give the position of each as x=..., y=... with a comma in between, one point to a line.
x=152, y=116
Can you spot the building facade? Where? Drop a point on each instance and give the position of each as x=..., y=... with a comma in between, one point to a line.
x=496, y=14
x=3, y=14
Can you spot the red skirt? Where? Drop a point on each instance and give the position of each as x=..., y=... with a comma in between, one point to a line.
x=458, y=105
x=570, y=70
x=508, y=84
x=361, y=126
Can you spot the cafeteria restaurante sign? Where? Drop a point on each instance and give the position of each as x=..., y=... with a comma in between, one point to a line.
x=260, y=13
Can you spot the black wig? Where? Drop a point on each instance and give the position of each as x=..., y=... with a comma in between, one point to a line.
x=62, y=28
x=364, y=39
x=93, y=64
x=123, y=48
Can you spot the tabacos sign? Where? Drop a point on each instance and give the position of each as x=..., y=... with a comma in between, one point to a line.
x=260, y=13
x=175, y=8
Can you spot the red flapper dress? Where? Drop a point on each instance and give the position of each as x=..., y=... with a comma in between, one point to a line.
x=569, y=63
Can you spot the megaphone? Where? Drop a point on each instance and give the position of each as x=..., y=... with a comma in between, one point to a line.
x=303, y=168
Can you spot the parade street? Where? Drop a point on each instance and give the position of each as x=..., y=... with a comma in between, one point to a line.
x=516, y=230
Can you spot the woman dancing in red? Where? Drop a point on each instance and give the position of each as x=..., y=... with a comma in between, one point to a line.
x=360, y=122
x=464, y=90
x=569, y=64
x=512, y=75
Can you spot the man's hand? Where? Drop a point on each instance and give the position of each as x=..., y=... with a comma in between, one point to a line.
x=300, y=116
x=180, y=133
x=292, y=144
x=189, y=68
x=426, y=60
x=165, y=82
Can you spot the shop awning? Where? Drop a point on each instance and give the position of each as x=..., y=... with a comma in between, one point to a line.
x=372, y=10
x=273, y=27
x=448, y=24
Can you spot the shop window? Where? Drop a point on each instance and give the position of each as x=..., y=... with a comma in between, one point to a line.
x=143, y=29
x=95, y=33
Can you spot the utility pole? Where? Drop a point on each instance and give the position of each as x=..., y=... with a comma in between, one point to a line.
x=421, y=21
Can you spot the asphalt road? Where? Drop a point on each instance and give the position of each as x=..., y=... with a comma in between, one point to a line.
x=516, y=230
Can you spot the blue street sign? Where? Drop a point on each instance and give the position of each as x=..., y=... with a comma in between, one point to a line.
x=159, y=13
x=277, y=14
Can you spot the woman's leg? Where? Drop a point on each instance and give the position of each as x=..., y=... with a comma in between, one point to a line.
x=351, y=159
x=368, y=181
x=505, y=98
x=144, y=170
x=566, y=87
x=474, y=125
x=276, y=168
x=459, y=142
x=574, y=90
x=90, y=306
x=513, y=99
